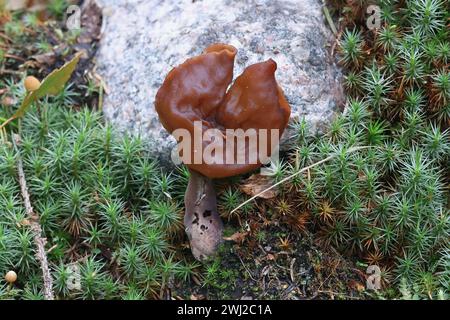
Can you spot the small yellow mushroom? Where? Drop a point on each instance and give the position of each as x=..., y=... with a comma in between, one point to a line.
x=11, y=277
x=31, y=83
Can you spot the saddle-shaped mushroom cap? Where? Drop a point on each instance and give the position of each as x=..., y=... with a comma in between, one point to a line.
x=196, y=91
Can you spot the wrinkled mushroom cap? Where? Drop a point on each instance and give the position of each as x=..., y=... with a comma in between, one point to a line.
x=197, y=91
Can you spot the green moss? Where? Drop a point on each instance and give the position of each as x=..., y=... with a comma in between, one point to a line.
x=94, y=191
x=391, y=199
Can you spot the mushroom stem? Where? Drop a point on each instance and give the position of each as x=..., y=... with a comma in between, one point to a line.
x=201, y=220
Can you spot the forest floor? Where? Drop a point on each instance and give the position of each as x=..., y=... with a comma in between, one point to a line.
x=273, y=262
x=268, y=253
x=297, y=269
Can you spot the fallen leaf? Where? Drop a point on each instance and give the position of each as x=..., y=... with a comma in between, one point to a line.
x=47, y=58
x=91, y=22
x=5, y=17
x=271, y=257
x=237, y=237
x=24, y=222
x=15, y=4
x=196, y=280
x=56, y=80
x=51, y=85
x=28, y=5
x=356, y=285
x=257, y=183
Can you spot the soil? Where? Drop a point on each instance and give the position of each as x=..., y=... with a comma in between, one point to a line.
x=265, y=270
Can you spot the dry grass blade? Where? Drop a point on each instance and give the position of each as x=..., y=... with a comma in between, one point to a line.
x=295, y=174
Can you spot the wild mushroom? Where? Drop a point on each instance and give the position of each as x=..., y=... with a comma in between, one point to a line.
x=31, y=83
x=11, y=277
x=195, y=100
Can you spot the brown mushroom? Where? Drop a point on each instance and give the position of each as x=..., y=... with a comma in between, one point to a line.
x=194, y=97
x=31, y=83
x=11, y=277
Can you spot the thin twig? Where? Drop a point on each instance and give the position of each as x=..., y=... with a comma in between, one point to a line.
x=291, y=270
x=329, y=20
x=15, y=57
x=13, y=72
x=3, y=125
x=295, y=174
x=246, y=269
x=4, y=36
x=35, y=226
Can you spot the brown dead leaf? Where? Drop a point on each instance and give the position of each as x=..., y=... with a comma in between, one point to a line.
x=271, y=257
x=196, y=280
x=257, y=183
x=5, y=16
x=91, y=22
x=47, y=59
x=24, y=222
x=15, y=4
x=356, y=285
x=28, y=5
x=237, y=237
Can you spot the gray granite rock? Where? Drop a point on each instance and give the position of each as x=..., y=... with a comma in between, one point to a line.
x=143, y=40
